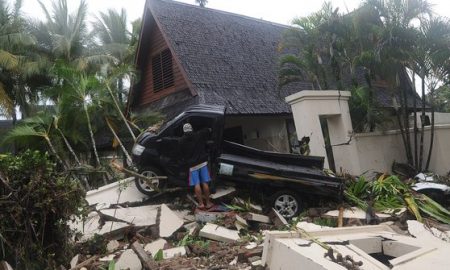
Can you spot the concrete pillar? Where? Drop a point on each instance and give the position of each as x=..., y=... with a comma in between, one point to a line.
x=307, y=108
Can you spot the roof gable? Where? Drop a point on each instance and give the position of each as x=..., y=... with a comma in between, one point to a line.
x=228, y=59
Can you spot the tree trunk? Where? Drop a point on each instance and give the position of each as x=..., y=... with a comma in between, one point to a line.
x=120, y=112
x=407, y=142
x=53, y=150
x=422, y=124
x=66, y=142
x=430, y=150
x=415, y=122
x=84, y=178
x=120, y=142
x=91, y=134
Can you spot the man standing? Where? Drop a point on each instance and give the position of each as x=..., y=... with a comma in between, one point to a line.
x=193, y=149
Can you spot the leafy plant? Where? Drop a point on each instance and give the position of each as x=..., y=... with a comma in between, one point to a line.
x=37, y=204
x=390, y=192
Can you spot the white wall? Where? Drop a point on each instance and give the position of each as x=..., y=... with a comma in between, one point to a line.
x=262, y=132
x=377, y=151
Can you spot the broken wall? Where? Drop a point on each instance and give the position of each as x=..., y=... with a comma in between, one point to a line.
x=261, y=132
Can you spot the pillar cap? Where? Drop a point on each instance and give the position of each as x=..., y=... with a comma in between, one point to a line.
x=318, y=95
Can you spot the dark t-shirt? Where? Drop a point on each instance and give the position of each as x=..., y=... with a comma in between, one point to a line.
x=193, y=147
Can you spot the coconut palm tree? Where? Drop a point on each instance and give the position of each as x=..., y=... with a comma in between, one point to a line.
x=18, y=64
x=114, y=39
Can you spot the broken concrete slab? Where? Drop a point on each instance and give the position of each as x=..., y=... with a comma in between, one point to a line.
x=222, y=192
x=241, y=221
x=219, y=233
x=169, y=222
x=4, y=265
x=74, y=261
x=184, y=215
x=258, y=218
x=118, y=192
x=174, y=252
x=112, y=246
x=155, y=246
x=277, y=218
x=107, y=258
x=132, y=216
x=205, y=217
x=310, y=227
x=128, y=260
x=354, y=212
x=420, y=231
x=287, y=250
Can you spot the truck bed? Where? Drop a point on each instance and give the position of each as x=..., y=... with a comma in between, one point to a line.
x=256, y=167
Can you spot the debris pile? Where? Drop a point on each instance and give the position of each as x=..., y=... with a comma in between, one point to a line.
x=170, y=232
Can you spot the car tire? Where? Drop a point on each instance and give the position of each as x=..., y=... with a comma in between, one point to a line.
x=149, y=171
x=287, y=203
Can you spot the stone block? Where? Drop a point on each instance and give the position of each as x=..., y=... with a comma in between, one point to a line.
x=174, y=252
x=169, y=222
x=155, y=246
x=128, y=260
x=219, y=233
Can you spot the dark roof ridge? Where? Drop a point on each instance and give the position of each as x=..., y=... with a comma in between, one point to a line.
x=227, y=13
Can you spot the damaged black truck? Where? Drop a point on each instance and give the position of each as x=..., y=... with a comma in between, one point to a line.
x=287, y=181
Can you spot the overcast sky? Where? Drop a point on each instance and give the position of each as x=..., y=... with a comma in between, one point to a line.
x=280, y=11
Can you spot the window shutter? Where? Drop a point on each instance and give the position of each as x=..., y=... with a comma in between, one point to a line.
x=162, y=70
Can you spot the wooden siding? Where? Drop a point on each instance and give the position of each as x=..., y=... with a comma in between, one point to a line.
x=157, y=45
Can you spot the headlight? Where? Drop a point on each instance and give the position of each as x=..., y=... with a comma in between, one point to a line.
x=138, y=149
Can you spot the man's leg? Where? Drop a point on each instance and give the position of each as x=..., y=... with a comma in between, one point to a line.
x=207, y=193
x=205, y=179
x=194, y=180
x=198, y=194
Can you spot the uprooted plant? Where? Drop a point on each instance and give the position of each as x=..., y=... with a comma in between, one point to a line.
x=390, y=193
x=37, y=204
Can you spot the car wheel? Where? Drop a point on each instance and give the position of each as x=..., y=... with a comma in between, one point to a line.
x=287, y=203
x=142, y=185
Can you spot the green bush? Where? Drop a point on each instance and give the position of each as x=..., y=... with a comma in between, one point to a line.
x=37, y=202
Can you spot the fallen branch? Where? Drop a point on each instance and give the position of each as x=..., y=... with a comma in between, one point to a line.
x=147, y=261
x=147, y=179
x=85, y=263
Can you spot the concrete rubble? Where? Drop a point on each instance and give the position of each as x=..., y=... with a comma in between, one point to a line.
x=354, y=213
x=153, y=247
x=5, y=266
x=219, y=233
x=128, y=260
x=174, y=234
x=370, y=247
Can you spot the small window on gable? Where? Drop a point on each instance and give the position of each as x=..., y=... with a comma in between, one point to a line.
x=162, y=71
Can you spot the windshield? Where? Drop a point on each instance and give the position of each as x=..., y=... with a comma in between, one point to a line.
x=163, y=126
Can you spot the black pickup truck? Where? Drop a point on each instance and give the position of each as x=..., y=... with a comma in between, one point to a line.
x=287, y=179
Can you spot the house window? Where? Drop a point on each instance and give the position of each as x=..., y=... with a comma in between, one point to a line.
x=162, y=71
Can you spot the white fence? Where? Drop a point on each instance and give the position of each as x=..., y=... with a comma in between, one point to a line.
x=378, y=150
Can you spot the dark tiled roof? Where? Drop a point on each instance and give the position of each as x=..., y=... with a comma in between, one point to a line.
x=230, y=59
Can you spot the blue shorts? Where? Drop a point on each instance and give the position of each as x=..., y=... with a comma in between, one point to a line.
x=199, y=175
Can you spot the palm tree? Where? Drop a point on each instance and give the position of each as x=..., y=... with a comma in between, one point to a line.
x=201, y=3
x=115, y=40
x=37, y=126
x=17, y=64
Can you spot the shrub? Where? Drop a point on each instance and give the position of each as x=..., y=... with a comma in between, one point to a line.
x=37, y=202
